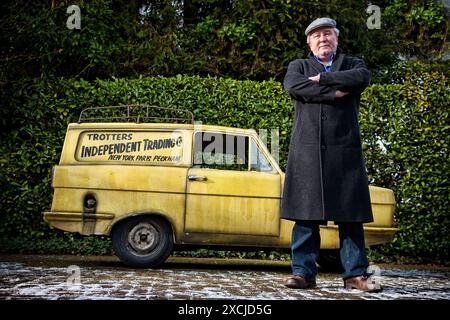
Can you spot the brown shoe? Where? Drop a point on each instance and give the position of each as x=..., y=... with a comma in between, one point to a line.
x=363, y=283
x=299, y=282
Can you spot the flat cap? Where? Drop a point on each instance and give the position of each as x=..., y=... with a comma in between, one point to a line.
x=319, y=23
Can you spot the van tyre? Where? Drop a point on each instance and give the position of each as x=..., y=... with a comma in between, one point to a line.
x=143, y=241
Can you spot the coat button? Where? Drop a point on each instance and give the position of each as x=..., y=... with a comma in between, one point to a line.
x=323, y=147
x=324, y=117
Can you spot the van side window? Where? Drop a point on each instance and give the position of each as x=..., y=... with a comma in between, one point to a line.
x=259, y=161
x=221, y=151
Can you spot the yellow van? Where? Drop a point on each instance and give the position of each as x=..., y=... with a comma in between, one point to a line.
x=152, y=185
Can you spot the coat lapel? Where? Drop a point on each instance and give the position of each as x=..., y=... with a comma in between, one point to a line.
x=315, y=64
x=337, y=63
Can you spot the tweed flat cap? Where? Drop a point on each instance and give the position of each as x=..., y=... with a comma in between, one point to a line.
x=319, y=23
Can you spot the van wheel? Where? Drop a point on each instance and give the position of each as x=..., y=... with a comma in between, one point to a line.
x=143, y=241
x=330, y=260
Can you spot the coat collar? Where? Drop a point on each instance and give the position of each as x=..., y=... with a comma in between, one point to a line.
x=336, y=63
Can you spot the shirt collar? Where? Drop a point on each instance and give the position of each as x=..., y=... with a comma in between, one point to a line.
x=328, y=65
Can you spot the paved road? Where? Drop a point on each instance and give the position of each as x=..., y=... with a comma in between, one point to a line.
x=92, y=278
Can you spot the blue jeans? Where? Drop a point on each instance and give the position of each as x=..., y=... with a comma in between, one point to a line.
x=306, y=249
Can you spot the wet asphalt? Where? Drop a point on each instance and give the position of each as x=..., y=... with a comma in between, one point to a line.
x=24, y=277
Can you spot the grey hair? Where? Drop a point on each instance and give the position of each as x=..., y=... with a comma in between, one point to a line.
x=336, y=32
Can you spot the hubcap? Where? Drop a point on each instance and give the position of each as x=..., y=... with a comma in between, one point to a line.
x=143, y=237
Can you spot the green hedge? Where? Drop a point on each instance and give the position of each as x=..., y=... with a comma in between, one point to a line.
x=229, y=38
x=405, y=129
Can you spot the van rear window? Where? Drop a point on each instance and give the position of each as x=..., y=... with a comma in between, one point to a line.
x=130, y=146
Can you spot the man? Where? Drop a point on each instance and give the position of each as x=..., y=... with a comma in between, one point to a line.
x=325, y=177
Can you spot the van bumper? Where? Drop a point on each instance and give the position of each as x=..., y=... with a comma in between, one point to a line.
x=81, y=222
x=372, y=235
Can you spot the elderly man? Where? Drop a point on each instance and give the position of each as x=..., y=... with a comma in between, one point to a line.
x=326, y=178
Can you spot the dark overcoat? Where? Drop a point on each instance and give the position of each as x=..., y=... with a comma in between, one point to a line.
x=326, y=177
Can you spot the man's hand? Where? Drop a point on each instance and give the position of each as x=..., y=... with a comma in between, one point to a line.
x=315, y=78
x=340, y=94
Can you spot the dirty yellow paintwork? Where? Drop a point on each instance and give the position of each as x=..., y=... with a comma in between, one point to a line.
x=221, y=207
x=383, y=207
x=233, y=202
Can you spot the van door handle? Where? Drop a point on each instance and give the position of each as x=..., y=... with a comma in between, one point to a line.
x=197, y=178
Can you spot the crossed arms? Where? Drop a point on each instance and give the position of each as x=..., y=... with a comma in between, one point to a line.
x=326, y=86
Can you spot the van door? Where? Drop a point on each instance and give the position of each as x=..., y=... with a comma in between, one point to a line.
x=231, y=188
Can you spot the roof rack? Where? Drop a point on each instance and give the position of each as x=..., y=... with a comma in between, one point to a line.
x=135, y=112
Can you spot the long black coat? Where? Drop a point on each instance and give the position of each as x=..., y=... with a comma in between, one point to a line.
x=326, y=177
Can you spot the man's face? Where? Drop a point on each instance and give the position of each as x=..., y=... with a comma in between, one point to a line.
x=323, y=42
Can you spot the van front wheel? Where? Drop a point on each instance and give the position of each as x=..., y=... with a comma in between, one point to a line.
x=143, y=241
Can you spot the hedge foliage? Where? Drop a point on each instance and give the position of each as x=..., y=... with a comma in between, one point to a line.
x=405, y=130
x=242, y=39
